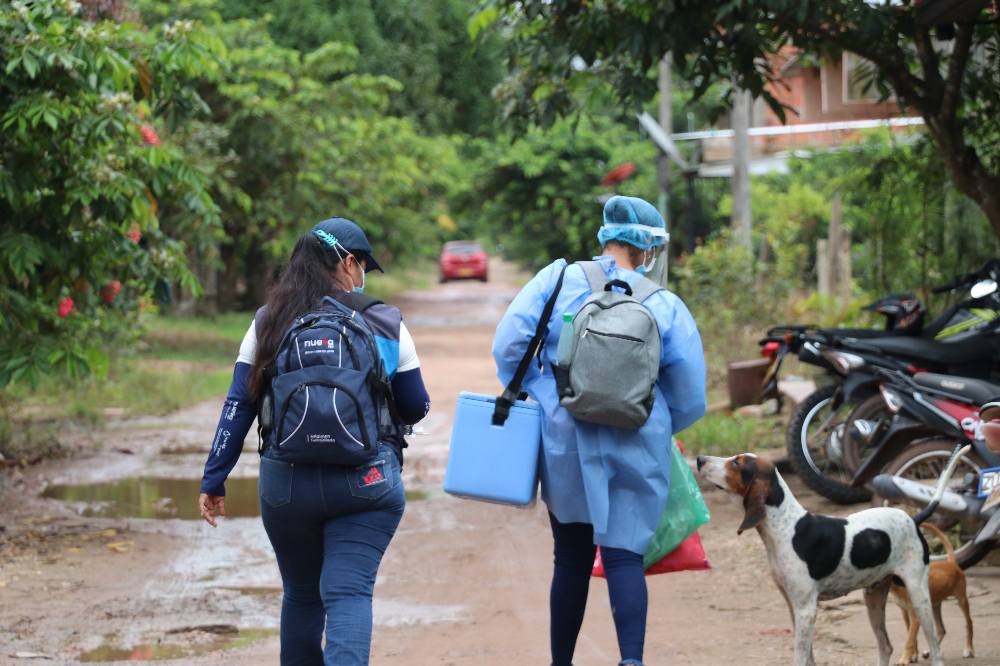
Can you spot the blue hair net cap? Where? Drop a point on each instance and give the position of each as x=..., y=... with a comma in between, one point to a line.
x=625, y=219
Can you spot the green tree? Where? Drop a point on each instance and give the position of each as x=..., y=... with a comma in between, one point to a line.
x=945, y=70
x=291, y=138
x=540, y=194
x=84, y=177
x=913, y=230
x=446, y=77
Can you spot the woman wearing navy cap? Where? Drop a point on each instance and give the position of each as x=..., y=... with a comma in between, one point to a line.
x=329, y=524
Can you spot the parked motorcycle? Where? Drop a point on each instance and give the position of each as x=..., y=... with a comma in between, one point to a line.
x=932, y=454
x=964, y=340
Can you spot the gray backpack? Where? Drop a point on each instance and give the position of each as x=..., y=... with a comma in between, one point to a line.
x=611, y=378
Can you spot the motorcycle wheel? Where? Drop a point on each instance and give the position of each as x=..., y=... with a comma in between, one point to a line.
x=815, y=441
x=924, y=461
x=856, y=449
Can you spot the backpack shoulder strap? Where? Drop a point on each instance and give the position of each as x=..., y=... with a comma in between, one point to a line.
x=358, y=302
x=501, y=409
x=596, y=277
x=644, y=288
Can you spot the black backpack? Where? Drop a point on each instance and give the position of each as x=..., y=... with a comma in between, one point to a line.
x=329, y=400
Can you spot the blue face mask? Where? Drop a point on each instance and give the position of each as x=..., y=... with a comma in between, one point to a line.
x=646, y=265
x=364, y=278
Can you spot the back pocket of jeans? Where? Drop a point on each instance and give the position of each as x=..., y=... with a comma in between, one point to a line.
x=374, y=479
x=275, y=482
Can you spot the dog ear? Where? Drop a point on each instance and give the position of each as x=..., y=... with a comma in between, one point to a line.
x=753, y=505
x=760, y=478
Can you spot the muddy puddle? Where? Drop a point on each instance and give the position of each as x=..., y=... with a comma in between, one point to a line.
x=151, y=497
x=177, y=644
x=163, y=498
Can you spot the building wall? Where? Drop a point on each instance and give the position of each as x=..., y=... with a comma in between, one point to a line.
x=817, y=95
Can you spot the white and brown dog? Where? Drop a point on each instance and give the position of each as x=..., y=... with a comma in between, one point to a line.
x=814, y=557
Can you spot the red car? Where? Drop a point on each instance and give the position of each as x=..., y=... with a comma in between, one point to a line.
x=463, y=259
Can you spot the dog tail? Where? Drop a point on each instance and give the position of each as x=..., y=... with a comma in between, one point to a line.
x=943, y=538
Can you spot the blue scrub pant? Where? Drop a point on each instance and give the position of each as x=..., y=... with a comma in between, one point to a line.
x=574, y=561
x=329, y=526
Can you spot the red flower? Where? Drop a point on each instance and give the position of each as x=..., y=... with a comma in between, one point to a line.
x=621, y=172
x=110, y=291
x=135, y=233
x=66, y=306
x=149, y=135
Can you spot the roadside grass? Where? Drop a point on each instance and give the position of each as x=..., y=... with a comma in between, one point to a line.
x=177, y=362
x=723, y=434
x=422, y=274
x=211, y=340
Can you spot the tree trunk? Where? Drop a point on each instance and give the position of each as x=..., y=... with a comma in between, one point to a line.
x=989, y=201
x=257, y=277
x=226, y=289
x=971, y=178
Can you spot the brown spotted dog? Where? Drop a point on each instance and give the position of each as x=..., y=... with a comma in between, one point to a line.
x=814, y=557
x=946, y=579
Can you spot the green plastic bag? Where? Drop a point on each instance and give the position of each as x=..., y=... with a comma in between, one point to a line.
x=685, y=512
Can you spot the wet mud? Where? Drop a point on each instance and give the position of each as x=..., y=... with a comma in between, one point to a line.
x=103, y=558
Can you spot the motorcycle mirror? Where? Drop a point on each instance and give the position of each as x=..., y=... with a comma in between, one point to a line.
x=990, y=411
x=983, y=288
x=991, y=433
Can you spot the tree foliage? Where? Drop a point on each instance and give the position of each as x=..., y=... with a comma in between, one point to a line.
x=911, y=231
x=135, y=145
x=949, y=73
x=293, y=137
x=539, y=194
x=446, y=77
x=83, y=175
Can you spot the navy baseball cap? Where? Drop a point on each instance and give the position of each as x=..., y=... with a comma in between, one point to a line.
x=350, y=237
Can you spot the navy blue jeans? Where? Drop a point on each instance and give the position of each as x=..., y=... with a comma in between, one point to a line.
x=574, y=561
x=329, y=526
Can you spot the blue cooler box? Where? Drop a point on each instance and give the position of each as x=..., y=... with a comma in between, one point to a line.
x=494, y=463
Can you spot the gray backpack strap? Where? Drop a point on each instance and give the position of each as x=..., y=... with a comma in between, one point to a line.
x=596, y=277
x=644, y=288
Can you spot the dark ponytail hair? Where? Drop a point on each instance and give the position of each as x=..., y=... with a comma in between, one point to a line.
x=302, y=285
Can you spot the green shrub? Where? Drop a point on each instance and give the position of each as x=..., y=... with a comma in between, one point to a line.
x=84, y=178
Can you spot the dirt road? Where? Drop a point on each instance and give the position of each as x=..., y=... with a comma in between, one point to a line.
x=118, y=569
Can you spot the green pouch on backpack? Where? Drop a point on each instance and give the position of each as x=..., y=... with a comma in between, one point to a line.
x=685, y=511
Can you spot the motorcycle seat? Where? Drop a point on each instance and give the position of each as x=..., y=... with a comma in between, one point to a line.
x=859, y=333
x=930, y=351
x=974, y=391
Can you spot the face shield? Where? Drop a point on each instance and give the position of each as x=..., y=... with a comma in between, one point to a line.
x=651, y=240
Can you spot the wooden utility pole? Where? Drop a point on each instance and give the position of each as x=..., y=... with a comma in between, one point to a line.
x=833, y=256
x=840, y=249
x=666, y=122
x=823, y=267
x=741, y=166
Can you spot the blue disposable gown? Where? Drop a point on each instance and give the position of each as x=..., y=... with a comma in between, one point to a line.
x=613, y=478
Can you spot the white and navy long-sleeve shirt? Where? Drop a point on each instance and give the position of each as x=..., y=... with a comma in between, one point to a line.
x=240, y=409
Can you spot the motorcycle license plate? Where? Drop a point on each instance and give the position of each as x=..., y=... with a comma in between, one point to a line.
x=989, y=482
x=993, y=500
